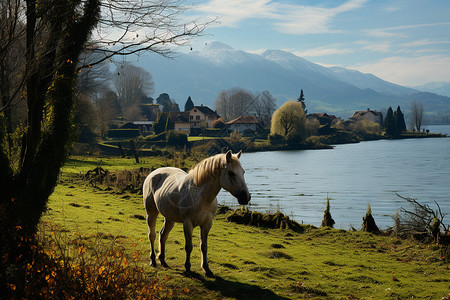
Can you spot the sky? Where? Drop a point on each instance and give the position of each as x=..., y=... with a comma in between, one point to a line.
x=406, y=42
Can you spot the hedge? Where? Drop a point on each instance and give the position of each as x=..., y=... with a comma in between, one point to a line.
x=123, y=133
x=176, y=138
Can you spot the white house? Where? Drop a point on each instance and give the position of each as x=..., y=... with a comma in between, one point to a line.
x=243, y=123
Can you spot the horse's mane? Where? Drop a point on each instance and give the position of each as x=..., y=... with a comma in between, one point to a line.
x=208, y=168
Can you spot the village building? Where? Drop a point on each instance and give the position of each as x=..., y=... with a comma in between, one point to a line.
x=368, y=115
x=244, y=123
x=325, y=122
x=323, y=118
x=193, y=120
x=181, y=121
x=200, y=114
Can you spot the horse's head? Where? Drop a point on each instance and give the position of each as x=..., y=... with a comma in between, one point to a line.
x=232, y=178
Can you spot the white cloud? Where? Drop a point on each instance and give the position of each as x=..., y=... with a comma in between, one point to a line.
x=232, y=12
x=322, y=51
x=297, y=19
x=409, y=71
x=382, y=33
x=378, y=47
x=286, y=18
x=424, y=42
x=391, y=9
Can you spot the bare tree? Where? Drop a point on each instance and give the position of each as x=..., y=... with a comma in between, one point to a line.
x=132, y=84
x=417, y=115
x=93, y=80
x=127, y=27
x=233, y=103
x=264, y=106
x=107, y=108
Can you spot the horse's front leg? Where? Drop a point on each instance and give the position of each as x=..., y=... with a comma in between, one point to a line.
x=152, y=214
x=188, y=228
x=204, y=246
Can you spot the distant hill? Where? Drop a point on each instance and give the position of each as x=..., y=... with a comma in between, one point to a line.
x=203, y=74
x=441, y=88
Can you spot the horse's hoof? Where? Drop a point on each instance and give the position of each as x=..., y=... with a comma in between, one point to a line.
x=153, y=264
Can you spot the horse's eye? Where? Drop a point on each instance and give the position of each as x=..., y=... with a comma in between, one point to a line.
x=231, y=173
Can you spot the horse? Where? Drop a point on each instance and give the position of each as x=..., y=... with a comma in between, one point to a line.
x=190, y=199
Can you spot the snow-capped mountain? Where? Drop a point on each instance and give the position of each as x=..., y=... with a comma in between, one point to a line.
x=202, y=74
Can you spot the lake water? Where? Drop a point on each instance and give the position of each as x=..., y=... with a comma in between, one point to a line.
x=353, y=175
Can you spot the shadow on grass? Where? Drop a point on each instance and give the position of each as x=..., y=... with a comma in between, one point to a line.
x=234, y=289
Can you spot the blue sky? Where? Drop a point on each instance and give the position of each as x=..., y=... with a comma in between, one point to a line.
x=402, y=41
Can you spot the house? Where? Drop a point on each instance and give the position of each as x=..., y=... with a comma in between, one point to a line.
x=367, y=115
x=243, y=123
x=202, y=114
x=323, y=118
x=180, y=121
x=144, y=125
x=191, y=121
x=325, y=122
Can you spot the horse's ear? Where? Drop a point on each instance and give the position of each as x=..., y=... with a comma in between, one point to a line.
x=229, y=156
x=239, y=154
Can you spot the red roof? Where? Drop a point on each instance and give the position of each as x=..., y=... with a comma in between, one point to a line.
x=244, y=120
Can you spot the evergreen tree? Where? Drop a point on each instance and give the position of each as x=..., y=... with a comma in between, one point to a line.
x=163, y=123
x=301, y=99
x=389, y=122
x=164, y=100
x=189, y=104
x=399, y=122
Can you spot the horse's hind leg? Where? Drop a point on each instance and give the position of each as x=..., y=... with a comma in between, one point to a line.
x=163, y=235
x=152, y=215
x=188, y=228
x=204, y=230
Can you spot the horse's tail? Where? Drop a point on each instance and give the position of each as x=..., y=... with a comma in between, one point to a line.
x=149, y=187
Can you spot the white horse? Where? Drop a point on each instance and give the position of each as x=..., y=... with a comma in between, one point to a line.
x=190, y=198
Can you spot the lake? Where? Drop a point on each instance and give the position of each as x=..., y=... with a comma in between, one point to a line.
x=298, y=183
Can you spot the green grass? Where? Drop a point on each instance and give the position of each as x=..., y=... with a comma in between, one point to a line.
x=253, y=262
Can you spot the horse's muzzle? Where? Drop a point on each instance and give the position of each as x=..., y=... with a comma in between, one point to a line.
x=243, y=197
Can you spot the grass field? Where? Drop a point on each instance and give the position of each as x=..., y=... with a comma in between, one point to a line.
x=249, y=262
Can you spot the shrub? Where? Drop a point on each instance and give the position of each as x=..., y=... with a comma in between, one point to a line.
x=219, y=123
x=81, y=267
x=293, y=138
x=176, y=138
x=276, y=139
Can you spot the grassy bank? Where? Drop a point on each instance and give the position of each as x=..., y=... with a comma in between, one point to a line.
x=250, y=262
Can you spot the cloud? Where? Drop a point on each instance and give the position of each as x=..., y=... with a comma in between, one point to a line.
x=322, y=51
x=398, y=31
x=378, y=47
x=409, y=71
x=391, y=9
x=298, y=19
x=232, y=12
x=424, y=42
x=284, y=17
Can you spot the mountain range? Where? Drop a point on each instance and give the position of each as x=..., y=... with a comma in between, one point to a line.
x=203, y=74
